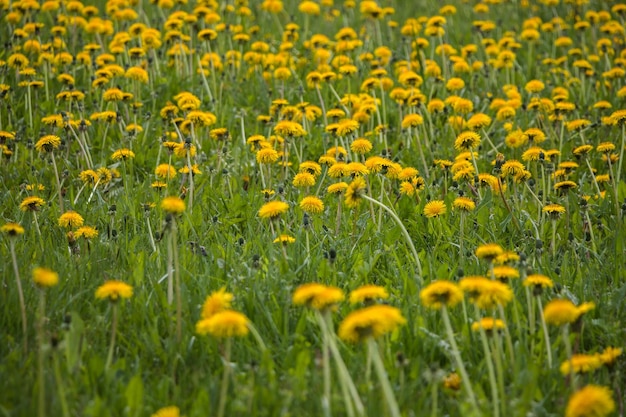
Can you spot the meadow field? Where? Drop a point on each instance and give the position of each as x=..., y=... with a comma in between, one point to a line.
x=312, y=208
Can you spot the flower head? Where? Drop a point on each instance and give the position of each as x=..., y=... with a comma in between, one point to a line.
x=580, y=363
x=226, y=323
x=12, y=229
x=114, y=290
x=562, y=311
x=373, y=321
x=592, y=400
x=173, y=205
x=317, y=296
x=489, y=324
x=312, y=205
x=354, y=191
x=489, y=251
x=44, y=277
x=435, y=208
x=171, y=411
x=48, y=143
x=218, y=301
x=32, y=203
x=368, y=293
x=70, y=220
x=273, y=209
x=441, y=293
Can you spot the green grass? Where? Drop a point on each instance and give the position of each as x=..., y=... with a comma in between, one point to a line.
x=152, y=369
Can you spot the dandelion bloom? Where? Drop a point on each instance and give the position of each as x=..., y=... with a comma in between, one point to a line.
x=171, y=411
x=114, y=290
x=165, y=171
x=560, y=312
x=227, y=323
x=317, y=296
x=373, y=321
x=284, y=239
x=610, y=355
x=273, y=209
x=267, y=156
x=304, y=179
x=538, y=282
x=435, y=208
x=580, y=363
x=493, y=293
x=467, y=140
x=173, y=205
x=505, y=272
x=368, y=293
x=441, y=293
x=592, y=400
x=489, y=324
x=312, y=204
x=337, y=188
x=44, y=277
x=354, y=192
x=48, y=143
x=123, y=154
x=554, y=210
x=12, y=229
x=32, y=203
x=70, y=220
x=489, y=251
x=217, y=301
x=605, y=147
x=464, y=204
x=86, y=232
x=452, y=382
x=361, y=146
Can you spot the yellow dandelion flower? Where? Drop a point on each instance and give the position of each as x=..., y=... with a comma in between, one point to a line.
x=463, y=204
x=226, y=323
x=114, y=290
x=70, y=220
x=373, y=321
x=435, y=208
x=273, y=209
x=368, y=294
x=171, y=411
x=489, y=251
x=580, y=363
x=218, y=301
x=32, y=203
x=591, y=400
x=312, y=205
x=48, y=143
x=45, y=278
x=441, y=293
x=353, y=194
x=173, y=205
x=489, y=324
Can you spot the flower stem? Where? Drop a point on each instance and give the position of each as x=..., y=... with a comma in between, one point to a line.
x=113, y=333
x=546, y=335
x=20, y=295
x=41, y=383
x=56, y=176
x=60, y=387
x=344, y=375
x=459, y=361
x=491, y=372
x=382, y=377
x=225, y=376
x=404, y=232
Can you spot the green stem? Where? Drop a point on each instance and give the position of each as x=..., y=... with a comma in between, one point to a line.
x=405, y=233
x=41, y=383
x=20, y=295
x=225, y=376
x=113, y=333
x=382, y=377
x=546, y=335
x=60, y=387
x=459, y=362
x=490, y=370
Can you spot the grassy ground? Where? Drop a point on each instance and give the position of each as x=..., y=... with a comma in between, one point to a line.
x=538, y=85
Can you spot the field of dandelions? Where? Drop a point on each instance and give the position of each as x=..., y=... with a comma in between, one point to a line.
x=318, y=208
